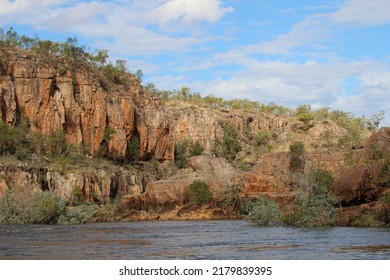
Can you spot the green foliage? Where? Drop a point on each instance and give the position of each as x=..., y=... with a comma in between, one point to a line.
x=79, y=215
x=230, y=142
x=384, y=200
x=375, y=120
x=180, y=155
x=353, y=127
x=23, y=207
x=133, y=148
x=15, y=207
x=229, y=197
x=320, y=181
x=314, y=209
x=383, y=177
x=11, y=138
x=244, y=166
x=47, y=208
x=196, y=149
x=57, y=142
x=108, y=131
x=199, y=193
x=261, y=212
x=366, y=220
x=297, y=160
x=77, y=196
x=262, y=138
x=318, y=210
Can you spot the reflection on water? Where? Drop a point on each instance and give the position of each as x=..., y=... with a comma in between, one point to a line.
x=190, y=240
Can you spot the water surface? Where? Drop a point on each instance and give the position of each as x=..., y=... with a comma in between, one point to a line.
x=190, y=240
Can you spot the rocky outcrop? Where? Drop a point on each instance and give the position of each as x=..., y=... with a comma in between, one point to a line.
x=99, y=186
x=70, y=97
x=168, y=194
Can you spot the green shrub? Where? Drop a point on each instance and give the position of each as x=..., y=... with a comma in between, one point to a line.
x=47, y=208
x=383, y=177
x=196, y=149
x=180, y=156
x=297, y=160
x=318, y=210
x=384, y=200
x=305, y=115
x=262, y=137
x=261, y=212
x=77, y=196
x=366, y=220
x=108, y=131
x=16, y=205
x=79, y=215
x=133, y=148
x=199, y=193
x=320, y=181
x=230, y=143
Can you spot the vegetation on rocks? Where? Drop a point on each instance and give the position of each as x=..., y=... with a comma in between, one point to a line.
x=261, y=212
x=199, y=193
x=309, y=209
x=245, y=133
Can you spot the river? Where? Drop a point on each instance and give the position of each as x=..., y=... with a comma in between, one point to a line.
x=191, y=240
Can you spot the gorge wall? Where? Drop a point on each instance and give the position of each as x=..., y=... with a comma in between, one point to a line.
x=52, y=97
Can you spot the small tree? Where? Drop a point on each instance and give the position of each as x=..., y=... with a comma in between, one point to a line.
x=230, y=144
x=199, y=193
x=262, y=137
x=181, y=154
x=384, y=200
x=297, y=153
x=261, y=212
x=196, y=149
x=133, y=148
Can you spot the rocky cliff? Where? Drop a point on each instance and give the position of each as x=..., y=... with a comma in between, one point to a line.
x=71, y=97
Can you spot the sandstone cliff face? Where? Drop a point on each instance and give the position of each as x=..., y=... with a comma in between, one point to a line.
x=55, y=97
x=76, y=103
x=100, y=186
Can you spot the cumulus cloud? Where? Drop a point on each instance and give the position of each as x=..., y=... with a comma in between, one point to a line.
x=188, y=10
x=291, y=84
x=127, y=26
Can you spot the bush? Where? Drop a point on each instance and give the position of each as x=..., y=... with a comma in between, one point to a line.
x=366, y=220
x=297, y=161
x=199, y=193
x=261, y=212
x=180, y=156
x=383, y=177
x=318, y=210
x=77, y=196
x=320, y=181
x=230, y=144
x=384, y=200
x=262, y=137
x=133, y=148
x=79, y=215
x=196, y=149
x=305, y=115
x=47, y=208
x=14, y=207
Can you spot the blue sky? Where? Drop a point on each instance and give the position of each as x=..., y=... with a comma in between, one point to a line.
x=327, y=53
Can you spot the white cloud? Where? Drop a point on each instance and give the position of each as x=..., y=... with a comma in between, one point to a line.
x=290, y=84
x=189, y=11
x=363, y=12
x=317, y=28
x=128, y=27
